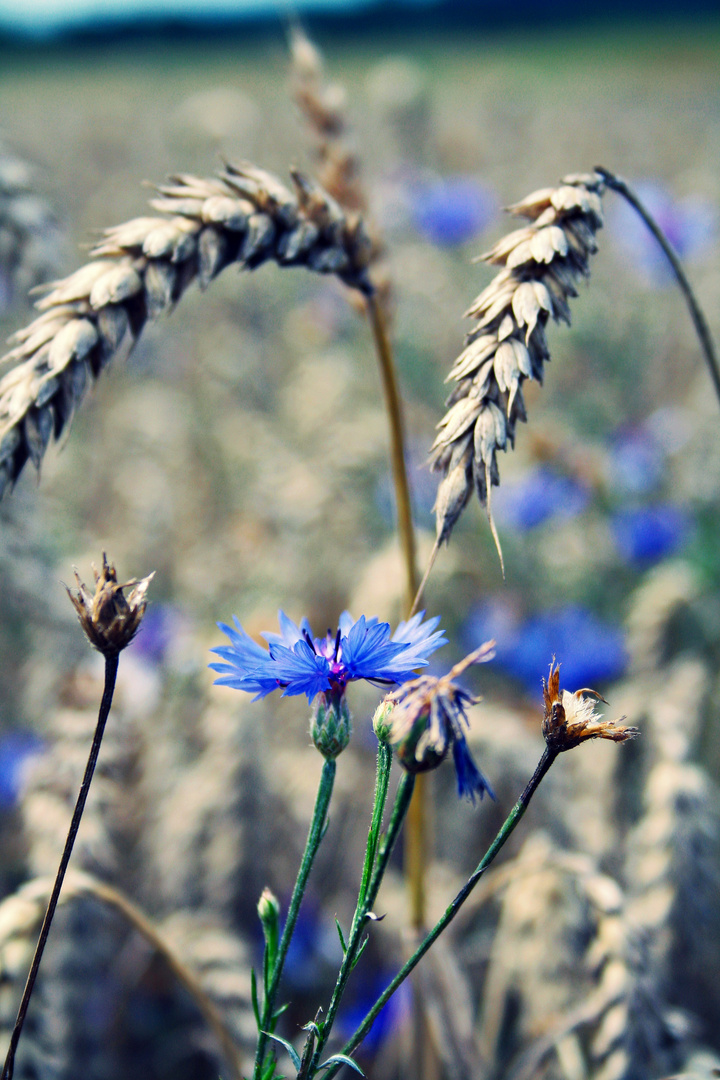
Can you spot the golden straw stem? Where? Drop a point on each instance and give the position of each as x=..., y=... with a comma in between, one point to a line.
x=416, y=843
x=406, y=530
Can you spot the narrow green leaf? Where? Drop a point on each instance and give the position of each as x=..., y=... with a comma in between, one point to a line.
x=294, y=1056
x=360, y=951
x=254, y=996
x=342, y=1059
x=341, y=935
x=280, y=1011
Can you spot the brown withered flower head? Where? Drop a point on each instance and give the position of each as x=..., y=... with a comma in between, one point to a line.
x=570, y=718
x=110, y=620
x=426, y=717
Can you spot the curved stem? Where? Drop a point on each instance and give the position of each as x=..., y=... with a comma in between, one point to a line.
x=315, y=835
x=700, y=322
x=111, y=666
x=451, y=911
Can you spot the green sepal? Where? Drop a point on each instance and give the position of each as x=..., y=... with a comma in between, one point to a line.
x=312, y=1025
x=360, y=951
x=254, y=997
x=340, y=935
x=341, y=1059
x=294, y=1056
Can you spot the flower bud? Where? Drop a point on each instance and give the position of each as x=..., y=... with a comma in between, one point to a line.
x=110, y=621
x=330, y=724
x=381, y=722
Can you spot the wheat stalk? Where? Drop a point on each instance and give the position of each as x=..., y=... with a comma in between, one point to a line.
x=141, y=269
x=540, y=266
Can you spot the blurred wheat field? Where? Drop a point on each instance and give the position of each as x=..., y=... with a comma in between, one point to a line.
x=241, y=452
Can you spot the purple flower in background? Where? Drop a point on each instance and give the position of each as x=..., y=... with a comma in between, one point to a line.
x=451, y=210
x=538, y=496
x=16, y=749
x=299, y=663
x=690, y=224
x=645, y=534
x=592, y=650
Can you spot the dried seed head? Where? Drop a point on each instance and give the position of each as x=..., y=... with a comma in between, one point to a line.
x=109, y=619
x=426, y=717
x=570, y=718
x=540, y=265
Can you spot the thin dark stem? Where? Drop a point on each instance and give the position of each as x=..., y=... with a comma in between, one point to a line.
x=451, y=911
x=315, y=835
x=111, y=666
x=700, y=322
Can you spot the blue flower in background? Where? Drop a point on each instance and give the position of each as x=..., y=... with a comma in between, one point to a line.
x=591, y=650
x=637, y=460
x=451, y=210
x=690, y=224
x=16, y=749
x=156, y=633
x=645, y=534
x=393, y=1016
x=538, y=496
x=299, y=663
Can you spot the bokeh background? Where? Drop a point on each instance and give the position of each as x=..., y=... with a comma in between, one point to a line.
x=241, y=453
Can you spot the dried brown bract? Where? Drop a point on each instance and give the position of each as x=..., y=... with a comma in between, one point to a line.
x=540, y=266
x=109, y=619
x=142, y=268
x=570, y=718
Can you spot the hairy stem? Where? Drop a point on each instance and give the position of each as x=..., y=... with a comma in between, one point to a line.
x=111, y=666
x=363, y=906
x=315, y=835
x=699, y=321
x=451, y=911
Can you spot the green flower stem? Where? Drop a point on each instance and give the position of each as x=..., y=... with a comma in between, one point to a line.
x=382, y=780
x=111, y=667
x=399, y=812
x=451, y=911
x=315, y=835
x=696, y=314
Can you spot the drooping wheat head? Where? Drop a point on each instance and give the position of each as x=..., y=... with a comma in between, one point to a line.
x=541, y=264
x=141, y=269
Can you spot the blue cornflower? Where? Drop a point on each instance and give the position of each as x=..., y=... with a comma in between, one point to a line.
x=299, y=663
x=427, y=716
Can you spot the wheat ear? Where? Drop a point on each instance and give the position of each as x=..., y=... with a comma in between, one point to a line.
x=540, y=267
x=21, y=912
x=142, y=268
x=28, y=228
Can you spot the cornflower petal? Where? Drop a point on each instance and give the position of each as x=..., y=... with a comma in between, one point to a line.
x=470, y=780
x=298, y=663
